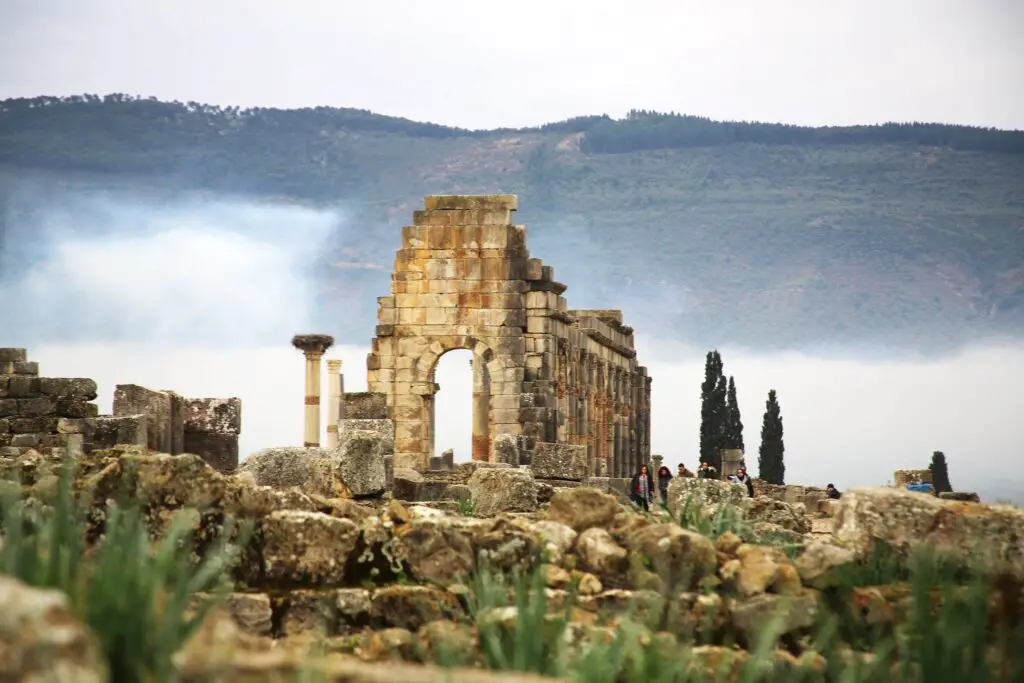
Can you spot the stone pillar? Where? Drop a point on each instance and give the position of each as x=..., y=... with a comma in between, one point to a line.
x=481, y=411
x=313, y=347
x=732, y=461
x=334, y=392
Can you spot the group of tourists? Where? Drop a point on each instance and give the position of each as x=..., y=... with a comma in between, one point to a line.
x=642, y=487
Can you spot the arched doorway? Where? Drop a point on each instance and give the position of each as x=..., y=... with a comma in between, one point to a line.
x=453, y=405
x=459, y=411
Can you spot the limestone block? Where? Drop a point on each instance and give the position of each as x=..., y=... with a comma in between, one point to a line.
x=217, y=449
x=559, y=461
x=506, y=449
x=408, y=484
x=213, y=415
x=496, y=490
x=366, y=405
x=384, y=428
x=281, y=468
x=12, y=355
x=131, y=399
x=68, y=387
x=360, y=458
x=490, y=202
x=113, y=430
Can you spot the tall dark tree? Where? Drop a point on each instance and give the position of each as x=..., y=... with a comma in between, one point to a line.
x=713, y=411
x=771, y=456
x=733, y=422
x=940, y=473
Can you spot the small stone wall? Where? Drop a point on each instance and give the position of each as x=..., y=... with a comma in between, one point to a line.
x=47, y=413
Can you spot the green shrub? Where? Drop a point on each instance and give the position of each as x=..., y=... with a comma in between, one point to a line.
x=135, y=596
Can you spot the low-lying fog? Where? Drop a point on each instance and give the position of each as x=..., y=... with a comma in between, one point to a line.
x=203, y=297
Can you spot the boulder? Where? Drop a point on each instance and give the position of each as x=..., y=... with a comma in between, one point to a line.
x=42, y=642
x=435, y=551
x=820, y=560
x=601, y=555
x=502, y=489
x=583, y=508
x=556, y=539
x=903, y=520
x=681, y=558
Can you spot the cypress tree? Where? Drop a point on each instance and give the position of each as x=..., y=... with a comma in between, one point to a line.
x=770, y=459
x=712, y=411
x=733, y=423
x=940, y=473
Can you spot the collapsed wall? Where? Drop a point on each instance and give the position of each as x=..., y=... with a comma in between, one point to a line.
x=60, y=413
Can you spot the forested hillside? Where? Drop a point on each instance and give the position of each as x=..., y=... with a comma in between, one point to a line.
x=767, y=235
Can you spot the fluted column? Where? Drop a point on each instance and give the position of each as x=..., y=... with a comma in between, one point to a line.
x=313, y=347
x=333, y=401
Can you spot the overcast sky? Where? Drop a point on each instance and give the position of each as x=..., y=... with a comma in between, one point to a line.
x=486, y=64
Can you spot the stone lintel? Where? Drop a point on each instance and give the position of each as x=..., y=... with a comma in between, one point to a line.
x=447, y=202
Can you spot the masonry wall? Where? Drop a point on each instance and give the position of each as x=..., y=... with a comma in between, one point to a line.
x=51, y=414
x=543, y=373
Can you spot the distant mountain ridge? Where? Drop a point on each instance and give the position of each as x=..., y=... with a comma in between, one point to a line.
x=718, y=233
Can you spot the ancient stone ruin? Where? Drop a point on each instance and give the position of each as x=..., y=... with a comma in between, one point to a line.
x=555, y=388
x=60, y=413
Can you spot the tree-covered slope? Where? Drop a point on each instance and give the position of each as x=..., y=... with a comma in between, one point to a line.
x=716, y=232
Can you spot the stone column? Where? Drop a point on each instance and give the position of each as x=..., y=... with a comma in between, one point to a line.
x=312, y=347
x=334, y=392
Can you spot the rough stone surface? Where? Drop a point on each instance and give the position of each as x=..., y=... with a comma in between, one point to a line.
x=702, y=492
x=408, y=484
x=502, y=490
x=360, y=457
x=559, y=461
x=904, y=519
x=41, y=642
x=308, y=547
x=281, y=468
x=582, y=508
x=506, y=449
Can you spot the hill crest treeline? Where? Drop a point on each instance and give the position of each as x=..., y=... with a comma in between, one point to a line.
x=640, y=130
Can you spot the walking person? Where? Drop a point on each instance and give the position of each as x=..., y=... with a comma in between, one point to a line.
x=642, y=488
x=664, y=477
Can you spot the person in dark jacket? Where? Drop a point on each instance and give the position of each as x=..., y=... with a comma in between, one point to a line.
x=743, y=478
x=706, y=471
x=832, y=492
x=641, y=488
x=664, y=477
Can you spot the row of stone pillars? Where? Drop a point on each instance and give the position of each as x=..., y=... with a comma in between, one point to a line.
x=313, y=347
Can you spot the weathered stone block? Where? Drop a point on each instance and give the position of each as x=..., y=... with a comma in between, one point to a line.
x=384, y=428
x=508, y=202
x=360, y=458
x=408, y=484
x=36, y=407
x=131, y=399
x=506, y=449
x=559, y=461
x=213, y=415
x=22, y=386
x=496, y=490
x=113, y=430
x=12, y=355
x=219, y=450
x=365, y=405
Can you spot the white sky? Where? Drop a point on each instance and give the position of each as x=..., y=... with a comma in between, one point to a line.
x=484, y=64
